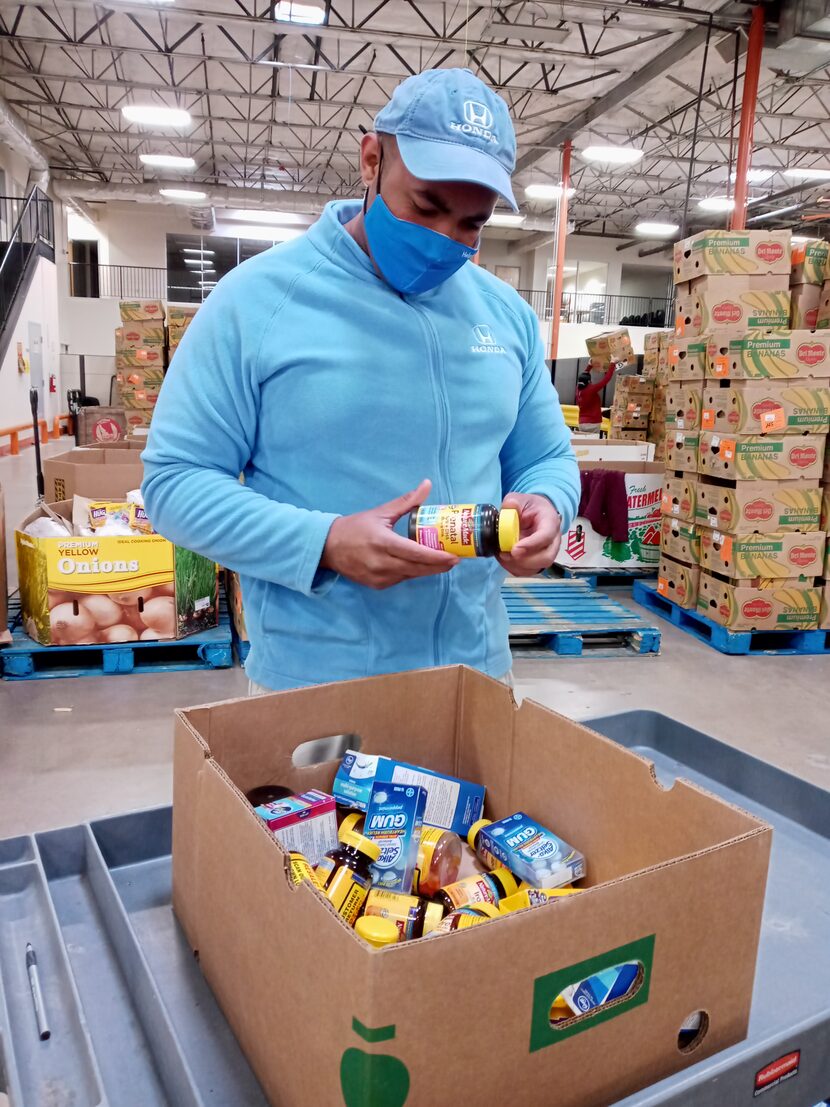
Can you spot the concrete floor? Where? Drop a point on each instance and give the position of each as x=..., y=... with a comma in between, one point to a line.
x=74, y=749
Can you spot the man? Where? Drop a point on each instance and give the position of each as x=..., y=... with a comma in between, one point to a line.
x=589, y=387
x=343, y=368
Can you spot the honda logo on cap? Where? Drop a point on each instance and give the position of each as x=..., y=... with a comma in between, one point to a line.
x=478, y=115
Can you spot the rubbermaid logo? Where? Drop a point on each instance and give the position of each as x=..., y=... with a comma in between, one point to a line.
x=776, y=1073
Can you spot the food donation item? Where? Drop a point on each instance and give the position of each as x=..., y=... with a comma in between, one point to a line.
x=299, y=869
x=345, y=874
x=393, y=820
x=413, y=916
x=469, y=915
x=306, y=823
x=601, y=988
x=478, y=888
x=531, y=851
x=533, y=897
x=439, y=859
x=466, y=530
x=376, y=931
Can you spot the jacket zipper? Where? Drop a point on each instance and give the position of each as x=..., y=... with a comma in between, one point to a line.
x=443, y=412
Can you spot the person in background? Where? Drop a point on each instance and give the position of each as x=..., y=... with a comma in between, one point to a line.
x=589, y=388
x=351, y=374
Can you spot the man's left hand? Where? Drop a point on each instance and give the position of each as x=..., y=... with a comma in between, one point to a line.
x=540, y=535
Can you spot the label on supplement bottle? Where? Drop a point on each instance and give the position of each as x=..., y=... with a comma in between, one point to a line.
x=461, y=919
x=402, y=910
x=301, y=870
x=324, y=870
x=472, y=889
x=454, y=528
x=347, y=891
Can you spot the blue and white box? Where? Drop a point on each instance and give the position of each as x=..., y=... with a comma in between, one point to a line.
x=531, y=851
x=394, y=818
x=452, y=804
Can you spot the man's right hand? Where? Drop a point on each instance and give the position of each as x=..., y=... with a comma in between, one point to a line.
x=366, y=549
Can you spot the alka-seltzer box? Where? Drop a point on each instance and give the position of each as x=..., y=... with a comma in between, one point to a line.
x=760, y=506
x=682, y=450
x=306, y=823
x=761, y=456
x=780, y=555
x=738, y=253
x=739, y=605
x=763, y=407
x=531, y=851
x=679, y=497
x=808, y=261
x=683, y=405
x=805, y=300
x=451, y=803
x=686, y=359
x=738, y=303
x=393, y=821
x=133, y=311
x=678, y=582
x=782, y=355
x=680, y=540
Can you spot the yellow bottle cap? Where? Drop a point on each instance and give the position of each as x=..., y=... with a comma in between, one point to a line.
x=432, y=917
x=350, y=824
x=508, y=881
x=364, y=845
x=509, y=529
x=474, y=829
x=376, y=931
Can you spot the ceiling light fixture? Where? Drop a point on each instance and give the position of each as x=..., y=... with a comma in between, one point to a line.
x=167, y=161
x=196, y=250
x=657, y=230
x=288, y=11
x=771, y=214
x=298, y=65
x=530, y=32
x=546, y=191
x=505, y=219
x=754, y=176
x=612, y=155
x=152, y=115
x=716, y=203
x=182, y=194
x=798, y=174
x=198, y=262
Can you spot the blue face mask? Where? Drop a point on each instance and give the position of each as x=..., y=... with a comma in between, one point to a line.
x=412, y=258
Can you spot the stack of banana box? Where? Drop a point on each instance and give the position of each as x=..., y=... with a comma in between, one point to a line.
x=140, y=358
x=631, y=407
x=179, y=318
x=655, y=368
x=807, y=278
x=751, y=400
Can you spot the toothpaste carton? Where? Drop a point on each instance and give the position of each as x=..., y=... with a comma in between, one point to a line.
x=451, y=803
x=394, y=818
x=306, y=823
x=530, y=851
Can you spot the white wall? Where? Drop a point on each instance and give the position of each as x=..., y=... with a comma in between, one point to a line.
x=39, y=306
x=637, y=281
x=16, y=169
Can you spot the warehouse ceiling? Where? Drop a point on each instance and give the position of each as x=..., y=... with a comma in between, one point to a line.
x=277, y=106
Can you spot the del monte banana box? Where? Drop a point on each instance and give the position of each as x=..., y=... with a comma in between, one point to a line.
x=683, y=402
x=678, y=582
x=781, y=554
x=682, y=450
x=777, y=605
x=680, y=540
x=761, y=456
x=739, y=253
x=779, y=355
x=804, y=304
x=686, y=358
x=760, y=506
x=808, y=261
x=679, y=497
x=134, y=311
x=135, y=336
x=747, y=407
x=737, y=303
x=111, y=589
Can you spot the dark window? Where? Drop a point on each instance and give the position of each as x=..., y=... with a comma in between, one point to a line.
x=83, y=268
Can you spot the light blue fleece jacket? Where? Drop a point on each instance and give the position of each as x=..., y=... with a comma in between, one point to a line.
x=332, y=394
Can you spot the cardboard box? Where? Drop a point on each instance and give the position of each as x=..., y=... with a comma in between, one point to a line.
x=823, y=313
x=785, y=355
x=630, y=417
x=96, y=426
x=738, y=253
x=582, y=547
x=233, y=592
x=138, y=419
x=686, y=359
x=621, y=434
x=180, y=315
x=611, y=346
x=609, y=449
x=5, y=636
x=683, y=405
x=651, y=342
x=681, y=450
x=753, y=407
x=712, y=303
x=659, y=447
x=631, y=386
x=761, y=456
x=759, y=505
x=135, y=311
x=808, y=262
x=146, y=357
x=148, y=333
x=825, y=473
x=824, y=513
x=741, y=606
x=804, y=304
x=677, y=581
x=824, y=614
x=650, y=852
x=680, y=540
x=779, y=555
x=99, y=474
x=64, y=572
x=679, y=496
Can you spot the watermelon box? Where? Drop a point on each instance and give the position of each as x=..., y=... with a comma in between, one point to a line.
x=761, y=456
x=780, y=355
x=736, y=303
x=760, y=506
x=779, y=555
x=739, y=605
x=747, y=407
x=740, y=253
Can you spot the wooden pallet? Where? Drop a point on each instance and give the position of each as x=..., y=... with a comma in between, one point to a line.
x=570, y=618
x=737, y=642
x=25, y=659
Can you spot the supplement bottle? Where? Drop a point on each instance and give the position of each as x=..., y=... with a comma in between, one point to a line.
x=533, y=897
x=377, y=932
x=466, y=530
x=345, y=874
x=300, y=869
x=439, y=859
x=464, y=917
x=414, y=917
x=352, y=823
x=474, y=839
x=478, y=888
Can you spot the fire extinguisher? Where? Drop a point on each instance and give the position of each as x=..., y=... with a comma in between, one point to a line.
x=53, y=383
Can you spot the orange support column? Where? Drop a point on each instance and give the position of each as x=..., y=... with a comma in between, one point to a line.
x=561, y=235
x=755, y=48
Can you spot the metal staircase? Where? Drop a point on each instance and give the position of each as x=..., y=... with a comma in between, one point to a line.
x=31, y=236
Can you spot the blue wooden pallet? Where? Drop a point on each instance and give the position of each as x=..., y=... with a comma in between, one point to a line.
x=25, y=659
x=603, y=578
x=736, y=642
x=569, y=618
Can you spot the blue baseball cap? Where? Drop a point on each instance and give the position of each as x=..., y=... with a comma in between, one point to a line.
x=451, y=127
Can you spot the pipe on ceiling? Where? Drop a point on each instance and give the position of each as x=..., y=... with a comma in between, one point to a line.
x=15, y=134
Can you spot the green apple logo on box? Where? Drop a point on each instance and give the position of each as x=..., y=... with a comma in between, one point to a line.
x=373, y=1079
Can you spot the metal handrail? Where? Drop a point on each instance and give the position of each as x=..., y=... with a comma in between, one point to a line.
x=35, y=195
x=30, y=228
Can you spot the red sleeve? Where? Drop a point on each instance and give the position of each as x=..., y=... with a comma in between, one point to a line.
x=594, y=388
